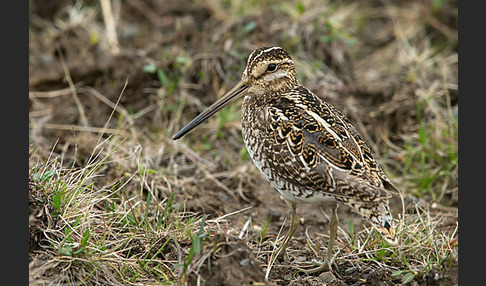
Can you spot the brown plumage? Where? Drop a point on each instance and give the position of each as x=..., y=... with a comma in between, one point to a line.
x=307, y=149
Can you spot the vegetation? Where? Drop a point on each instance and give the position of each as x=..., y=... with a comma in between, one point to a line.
x=114, y=200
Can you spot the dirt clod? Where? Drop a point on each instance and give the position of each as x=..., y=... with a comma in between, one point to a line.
x=327, y=277
x=231, y=262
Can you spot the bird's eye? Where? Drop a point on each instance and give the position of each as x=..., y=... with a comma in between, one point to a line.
x=272, y=67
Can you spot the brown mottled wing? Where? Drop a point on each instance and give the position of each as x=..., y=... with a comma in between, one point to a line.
x=328, y=154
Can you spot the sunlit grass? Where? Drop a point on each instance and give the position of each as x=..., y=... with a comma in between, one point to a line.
x=105, y=232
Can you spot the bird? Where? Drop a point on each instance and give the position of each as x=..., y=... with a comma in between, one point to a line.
x=308, y=150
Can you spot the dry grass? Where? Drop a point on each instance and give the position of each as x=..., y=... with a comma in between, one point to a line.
x=115, y=201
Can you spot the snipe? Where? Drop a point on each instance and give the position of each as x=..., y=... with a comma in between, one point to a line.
x=308, y=150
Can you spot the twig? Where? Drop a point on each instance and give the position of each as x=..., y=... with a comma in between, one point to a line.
x=110, y=26
x=245, y=228
x=122, y=110
x=84, y=121
x=109, y=118
x=227, y=215
x=49, y=94
x=55, y=126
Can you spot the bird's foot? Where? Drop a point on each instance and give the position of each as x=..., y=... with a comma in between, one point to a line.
x=321, y=267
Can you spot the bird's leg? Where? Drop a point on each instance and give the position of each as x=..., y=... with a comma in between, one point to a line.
x=294, y=223
x=326, y=265
x=332, y=235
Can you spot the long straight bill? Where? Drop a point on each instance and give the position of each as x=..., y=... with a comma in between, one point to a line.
x=231, y=95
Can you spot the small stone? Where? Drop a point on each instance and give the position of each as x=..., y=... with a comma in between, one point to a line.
x=351, y=270
x=301, y=258
x=245, y=262
x=327, y=277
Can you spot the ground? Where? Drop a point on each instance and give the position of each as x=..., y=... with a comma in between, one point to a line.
x=108, y=184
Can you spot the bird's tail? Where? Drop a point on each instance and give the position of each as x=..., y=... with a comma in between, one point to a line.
x=379, y=215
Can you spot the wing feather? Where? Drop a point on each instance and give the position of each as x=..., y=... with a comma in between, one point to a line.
x=316, y=147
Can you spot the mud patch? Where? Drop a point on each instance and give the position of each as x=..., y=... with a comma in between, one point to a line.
x=225, y=261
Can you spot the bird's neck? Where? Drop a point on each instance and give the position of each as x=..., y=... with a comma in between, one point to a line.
x=263, y=97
